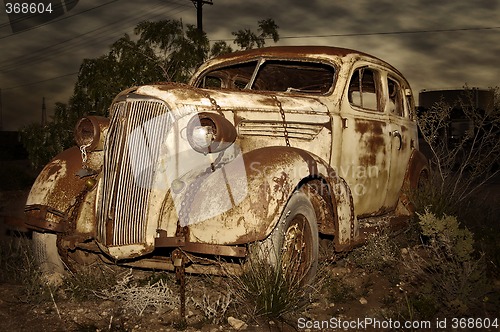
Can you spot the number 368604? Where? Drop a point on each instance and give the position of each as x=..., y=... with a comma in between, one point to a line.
x=27, y=8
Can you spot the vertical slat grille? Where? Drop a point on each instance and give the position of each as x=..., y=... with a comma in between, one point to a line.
x=137, y=130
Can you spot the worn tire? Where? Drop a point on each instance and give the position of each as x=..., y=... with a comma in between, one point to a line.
x=294, y=243
x=47, y=257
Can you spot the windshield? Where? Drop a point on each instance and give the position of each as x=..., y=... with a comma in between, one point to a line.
x=272, y=75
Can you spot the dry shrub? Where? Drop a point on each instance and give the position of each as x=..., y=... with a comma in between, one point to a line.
x=445, y=270
x=459, y=166
x=138, y=298
x=17, y=265
x=214, y=308
x=89, y=281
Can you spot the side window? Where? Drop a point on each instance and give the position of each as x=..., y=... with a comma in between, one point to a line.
x=395, y=98
x=211, y=82
x=363, y=89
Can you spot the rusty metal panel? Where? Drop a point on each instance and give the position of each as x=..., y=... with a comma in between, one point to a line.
x=57, y=187
x=272, y=175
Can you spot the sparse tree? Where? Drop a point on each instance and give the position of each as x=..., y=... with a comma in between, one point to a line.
x=460, y=168
x=44, y=142
x=247, y=39
x=220, y=47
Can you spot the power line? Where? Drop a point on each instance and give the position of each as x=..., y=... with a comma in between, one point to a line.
x=315, y=36
x=60, y=5
x=10, y=22
x=392, y=32
x=37, y=57
x=61, y=19
x=43, y=53
x=38, y=82
x=356, y=34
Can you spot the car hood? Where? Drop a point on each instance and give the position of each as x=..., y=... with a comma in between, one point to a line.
x=184, y=99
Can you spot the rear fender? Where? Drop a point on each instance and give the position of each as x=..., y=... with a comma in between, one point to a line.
x=418, y=167
x=264, y=181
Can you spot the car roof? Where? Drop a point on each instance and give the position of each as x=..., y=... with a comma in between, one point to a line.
x=294, y=52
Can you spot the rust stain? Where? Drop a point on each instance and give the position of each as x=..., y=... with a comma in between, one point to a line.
x=311, y=163
x=51, y=170
x=237, y=118
x=366, y=126
x=58, y=187
x=374, y=143
x=292, y=52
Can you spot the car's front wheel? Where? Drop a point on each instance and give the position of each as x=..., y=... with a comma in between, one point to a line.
x=294, y=244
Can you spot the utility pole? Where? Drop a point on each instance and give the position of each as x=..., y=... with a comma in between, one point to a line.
x=199, y=12
x=44, y=113
x=1, y=119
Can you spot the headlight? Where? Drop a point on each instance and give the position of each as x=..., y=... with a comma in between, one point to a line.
x=203, y=136
x=91, y=132
x=210, y=132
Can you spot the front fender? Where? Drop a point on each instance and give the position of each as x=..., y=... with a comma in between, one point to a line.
x=56, y=191
x=264, y=182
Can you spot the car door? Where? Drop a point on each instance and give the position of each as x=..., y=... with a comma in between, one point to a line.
x=366, y=145
x=402, y=132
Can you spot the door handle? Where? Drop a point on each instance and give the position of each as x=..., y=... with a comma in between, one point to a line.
x=397, y=134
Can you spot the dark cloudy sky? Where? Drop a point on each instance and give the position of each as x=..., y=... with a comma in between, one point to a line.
x=436, y=44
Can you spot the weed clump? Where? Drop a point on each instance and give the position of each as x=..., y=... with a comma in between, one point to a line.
x=87, y=282
x=18, y=266
x=271, y=290
x=214, y=308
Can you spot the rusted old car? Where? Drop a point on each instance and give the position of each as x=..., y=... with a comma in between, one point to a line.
x=271, y=148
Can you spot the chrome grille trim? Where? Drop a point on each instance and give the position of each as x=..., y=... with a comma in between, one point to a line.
x=275, y=129
x=137, y=131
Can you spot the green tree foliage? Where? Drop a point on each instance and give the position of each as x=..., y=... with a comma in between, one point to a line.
x=247, y=39
x=44, y=142
x=164, y=51
x=159, y=51
x=220, y=47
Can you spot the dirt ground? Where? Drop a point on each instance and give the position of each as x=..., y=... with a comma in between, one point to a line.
x=18, y=313
x=370, y=295
x=104, y=315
